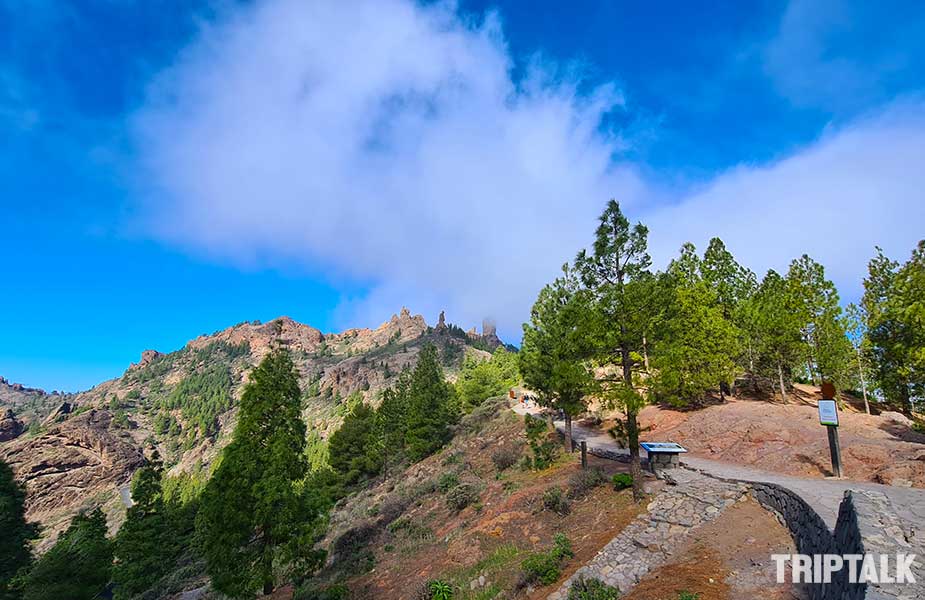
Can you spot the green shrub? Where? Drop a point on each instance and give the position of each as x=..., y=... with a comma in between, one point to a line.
x=462, y=496
x=688, y=595
x=545, y=567
x=505, y=457
x=592, y=589
x=440, y=590
x=333, y=592
x=621, y=481
x=447, y=482
x=584, y=481
x=556, y=501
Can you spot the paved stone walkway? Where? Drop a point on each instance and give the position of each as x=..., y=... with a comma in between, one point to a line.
x=649, y=541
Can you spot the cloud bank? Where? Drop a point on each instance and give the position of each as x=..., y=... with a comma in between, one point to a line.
x=390, y=144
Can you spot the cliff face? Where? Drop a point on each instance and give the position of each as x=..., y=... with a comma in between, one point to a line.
x=83, y=448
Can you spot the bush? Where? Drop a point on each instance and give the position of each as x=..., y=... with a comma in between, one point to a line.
x=688, y=596
x=439, y=590
x=447, y=482
x=544, y=449
x=333, y=592
x=545, y=567
x=462, y=496
x=592, y=589
x=555, y=500
x=584, y=481
x=505, y=457
x=621, y=481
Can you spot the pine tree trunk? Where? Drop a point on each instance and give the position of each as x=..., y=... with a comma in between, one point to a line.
x=863, y=383
x=780, y=375
x=645, y=353
x=632, y=426
x=267, y=567
x=568, y=432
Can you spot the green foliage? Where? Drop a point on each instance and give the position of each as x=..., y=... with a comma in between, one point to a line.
x=696, y=345
x=354, y=451
x=333, y=592
x=592, y=589
x=254, y=513
x=481, y=379
x=15, y=552
x=685, y=595
x=77, y=567
x=585, y=480
x=440, y=590
x=544, y=449
x=555, y=501
x=894, y=302
x=146, y=546
x=555, y=344
x=431, y=407
x=202, y=397
x=621, y=481
x=545, y=567
x=506, y=456
x=462, y=495
x=133, y=395
x=446, y=481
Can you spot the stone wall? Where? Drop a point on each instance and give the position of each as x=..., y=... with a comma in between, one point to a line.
x=812, y=536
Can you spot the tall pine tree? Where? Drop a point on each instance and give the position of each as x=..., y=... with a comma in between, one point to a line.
x=146, y=545
x=15, y=553
x=253, y=515
x=555, y=349
x=431, y=407
x=78, y=566
x=616, y=274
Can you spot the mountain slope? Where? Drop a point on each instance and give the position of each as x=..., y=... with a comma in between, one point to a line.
x=183, y=404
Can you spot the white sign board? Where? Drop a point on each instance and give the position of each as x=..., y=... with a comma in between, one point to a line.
x=828, y=413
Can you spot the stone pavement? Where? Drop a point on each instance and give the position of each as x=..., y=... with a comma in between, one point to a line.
x=649, y=541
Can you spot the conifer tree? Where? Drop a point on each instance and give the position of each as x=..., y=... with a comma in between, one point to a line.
x=778, y=329
x=431, y=407
x=77, y=567
x=616, y=274
x=355, y=449
x=15, y=533
x=146, y=545
x=391, y=417
x=555, y=349
x=254, y=515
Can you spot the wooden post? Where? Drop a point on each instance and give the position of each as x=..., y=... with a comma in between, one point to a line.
x=584, y=454
x=834, y=449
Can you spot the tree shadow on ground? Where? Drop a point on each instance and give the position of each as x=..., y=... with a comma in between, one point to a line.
x=816, y=463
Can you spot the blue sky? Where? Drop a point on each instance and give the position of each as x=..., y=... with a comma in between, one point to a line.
x=170, y=172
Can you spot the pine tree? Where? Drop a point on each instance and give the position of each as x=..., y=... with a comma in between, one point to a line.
x=15, y=553
x=391, y=417
x=146, y=545
x=480, y=379
x=616, y=274
x=553, y=355
x=431, y=407
x=78, y=566
x=828, y=351
x=777, y=329
x=855, y=323
x=253, y=513
x=355, y=449
x=893, y=302
x=695, y=348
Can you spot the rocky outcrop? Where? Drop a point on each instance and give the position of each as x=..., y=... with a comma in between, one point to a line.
x=10, y=426
x=58, y=414
x=78, y=461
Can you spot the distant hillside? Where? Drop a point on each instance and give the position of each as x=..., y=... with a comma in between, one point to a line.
x=78, y=450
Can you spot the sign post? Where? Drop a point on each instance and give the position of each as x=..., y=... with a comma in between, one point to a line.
x=828, y=416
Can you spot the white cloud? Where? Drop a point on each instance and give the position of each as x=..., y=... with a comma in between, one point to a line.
x=853, y=189
x=387, y=142
x=383, y=141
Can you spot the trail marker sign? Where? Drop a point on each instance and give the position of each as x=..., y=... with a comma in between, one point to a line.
x=828, y=413
x=828, y=416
